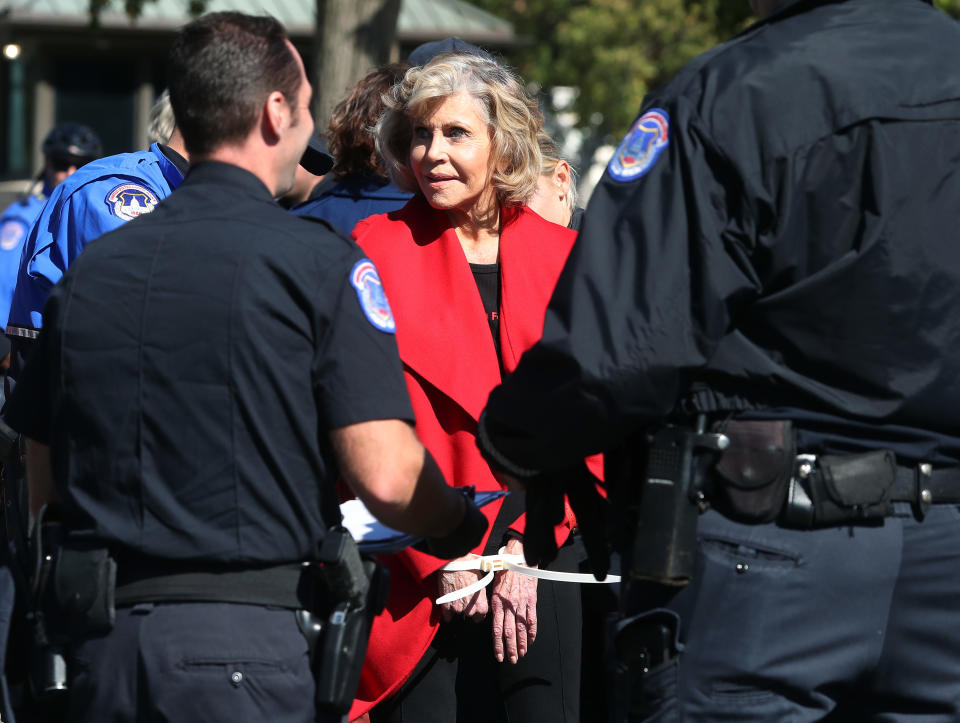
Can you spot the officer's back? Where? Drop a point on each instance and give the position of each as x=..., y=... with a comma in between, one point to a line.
x=840, y=147
x=224, y=351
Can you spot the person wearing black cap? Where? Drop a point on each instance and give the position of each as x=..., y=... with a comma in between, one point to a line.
x=202, y=377
x=65, y=149
x=358, y=186
x=760, y=322
x=423, y=54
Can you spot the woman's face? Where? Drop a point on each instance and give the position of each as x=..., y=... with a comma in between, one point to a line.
x=450, y=156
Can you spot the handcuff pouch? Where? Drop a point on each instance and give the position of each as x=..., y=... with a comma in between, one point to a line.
x=754, y=472
x=852, y=488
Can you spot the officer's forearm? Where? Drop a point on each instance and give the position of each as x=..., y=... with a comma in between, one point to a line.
x=396, y=478
x=40, y=487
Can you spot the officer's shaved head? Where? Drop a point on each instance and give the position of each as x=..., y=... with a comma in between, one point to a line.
x=221, y=69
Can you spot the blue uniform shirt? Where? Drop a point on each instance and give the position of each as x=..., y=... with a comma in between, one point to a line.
x=15, y=224
x=345, y=201
x=98, y=198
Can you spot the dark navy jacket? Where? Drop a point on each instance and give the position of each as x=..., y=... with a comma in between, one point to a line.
x=777, y=236
x=343, y=202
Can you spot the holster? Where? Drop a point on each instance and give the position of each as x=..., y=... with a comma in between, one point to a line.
x=357, y=589
x=47, y=668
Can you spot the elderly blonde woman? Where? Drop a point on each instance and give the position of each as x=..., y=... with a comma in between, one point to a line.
x=468, y=270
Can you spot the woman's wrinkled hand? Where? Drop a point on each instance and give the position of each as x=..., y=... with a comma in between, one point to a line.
x=513, y=602
x=474, y=607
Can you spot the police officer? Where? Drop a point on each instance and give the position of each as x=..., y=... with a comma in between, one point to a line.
x=202, y=375
x=65, y=149
x=772, y=250
x=100, y=197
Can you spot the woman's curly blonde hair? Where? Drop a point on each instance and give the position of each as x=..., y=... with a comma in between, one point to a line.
x=512, y=116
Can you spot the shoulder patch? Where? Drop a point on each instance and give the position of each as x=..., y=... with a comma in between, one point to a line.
x=373, y=300
x=646, y=140
x=12, y=234
x=129, y=200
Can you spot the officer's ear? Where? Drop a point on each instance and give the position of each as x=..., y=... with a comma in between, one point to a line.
x=276, y=115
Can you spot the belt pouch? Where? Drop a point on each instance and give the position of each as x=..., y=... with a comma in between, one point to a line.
x=852, y=487
x=754, y=471
x=84, y=583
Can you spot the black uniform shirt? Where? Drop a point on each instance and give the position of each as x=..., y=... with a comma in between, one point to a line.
x=777, y=236
x=190, y=366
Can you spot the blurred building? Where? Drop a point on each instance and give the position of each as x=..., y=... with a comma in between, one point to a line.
x=56, y=67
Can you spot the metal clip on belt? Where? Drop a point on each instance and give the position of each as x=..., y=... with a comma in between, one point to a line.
x=492, y=564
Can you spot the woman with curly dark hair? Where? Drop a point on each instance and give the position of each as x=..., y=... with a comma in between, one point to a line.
x=358, y=186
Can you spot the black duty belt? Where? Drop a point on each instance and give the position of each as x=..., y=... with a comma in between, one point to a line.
x=927, y=485
x=283, y=586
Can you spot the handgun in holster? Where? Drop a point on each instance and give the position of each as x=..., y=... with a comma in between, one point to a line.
x=355, y=589
x=47, y=667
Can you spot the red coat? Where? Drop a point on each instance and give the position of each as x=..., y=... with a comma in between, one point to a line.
x=450, y=365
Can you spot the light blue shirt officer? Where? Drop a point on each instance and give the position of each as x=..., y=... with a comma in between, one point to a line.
x=15, y=223
x=98, y=198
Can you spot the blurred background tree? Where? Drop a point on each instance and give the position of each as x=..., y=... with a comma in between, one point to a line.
x=952, y=7
x=351, y=37
x=614, y=51
x=595, y=60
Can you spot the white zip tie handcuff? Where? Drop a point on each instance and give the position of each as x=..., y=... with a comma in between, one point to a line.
x=492, y=564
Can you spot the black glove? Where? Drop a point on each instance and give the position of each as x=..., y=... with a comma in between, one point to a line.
x=465, y=536
x=545, y=510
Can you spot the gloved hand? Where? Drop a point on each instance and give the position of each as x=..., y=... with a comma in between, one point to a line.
x=545, y=510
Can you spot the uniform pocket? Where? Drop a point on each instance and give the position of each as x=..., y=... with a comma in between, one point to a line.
x=743, y=555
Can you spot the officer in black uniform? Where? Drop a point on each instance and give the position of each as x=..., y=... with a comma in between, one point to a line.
x=202, y=376
x=775, y=241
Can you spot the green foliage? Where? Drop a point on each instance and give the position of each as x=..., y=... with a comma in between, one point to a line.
x=951, y=7
x=614, y=51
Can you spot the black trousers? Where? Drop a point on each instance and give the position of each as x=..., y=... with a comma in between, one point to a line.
x=194, y=662
x=459, y=680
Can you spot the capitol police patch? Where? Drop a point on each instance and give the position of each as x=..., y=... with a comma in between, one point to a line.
x=637, y=153
x=129, y=200
x=11, y=234
x=373, y=301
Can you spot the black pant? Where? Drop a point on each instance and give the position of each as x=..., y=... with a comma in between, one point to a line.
x=194, y=662
x=459, y=680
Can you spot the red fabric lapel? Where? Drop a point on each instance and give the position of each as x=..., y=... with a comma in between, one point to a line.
x=532, y=254
x=442, y=329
